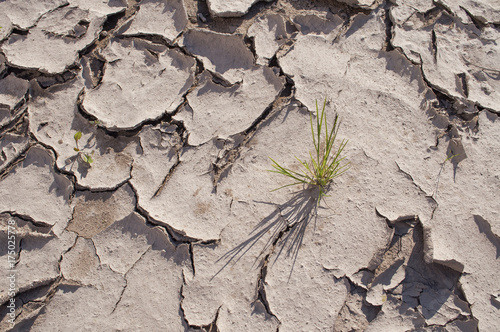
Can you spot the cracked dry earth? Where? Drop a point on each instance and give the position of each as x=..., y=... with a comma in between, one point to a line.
x=174, y=227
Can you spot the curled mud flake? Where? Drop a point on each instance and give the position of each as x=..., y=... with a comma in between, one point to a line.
x=163, y=77
x=165, y=18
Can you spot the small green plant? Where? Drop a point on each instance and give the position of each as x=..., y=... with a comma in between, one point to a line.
x=325, y=162
x=450, y=158
x=86, y=157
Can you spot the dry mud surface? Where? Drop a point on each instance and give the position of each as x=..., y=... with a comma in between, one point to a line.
x=174, y=227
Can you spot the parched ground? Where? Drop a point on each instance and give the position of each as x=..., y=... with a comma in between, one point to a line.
x=174, y=226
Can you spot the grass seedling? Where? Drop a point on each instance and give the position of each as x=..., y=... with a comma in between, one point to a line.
x=450, y=158
x=86, y=157
x=325, y=162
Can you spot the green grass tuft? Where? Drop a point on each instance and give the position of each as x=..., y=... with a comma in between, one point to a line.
x=325, y=162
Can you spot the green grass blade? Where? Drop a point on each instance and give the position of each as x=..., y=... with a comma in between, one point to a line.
x=306, y=166
x=312, y=128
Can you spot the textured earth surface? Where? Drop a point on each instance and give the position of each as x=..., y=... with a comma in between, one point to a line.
x=175, y=226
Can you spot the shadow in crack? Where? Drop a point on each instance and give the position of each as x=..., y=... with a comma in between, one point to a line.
x=286, y=226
